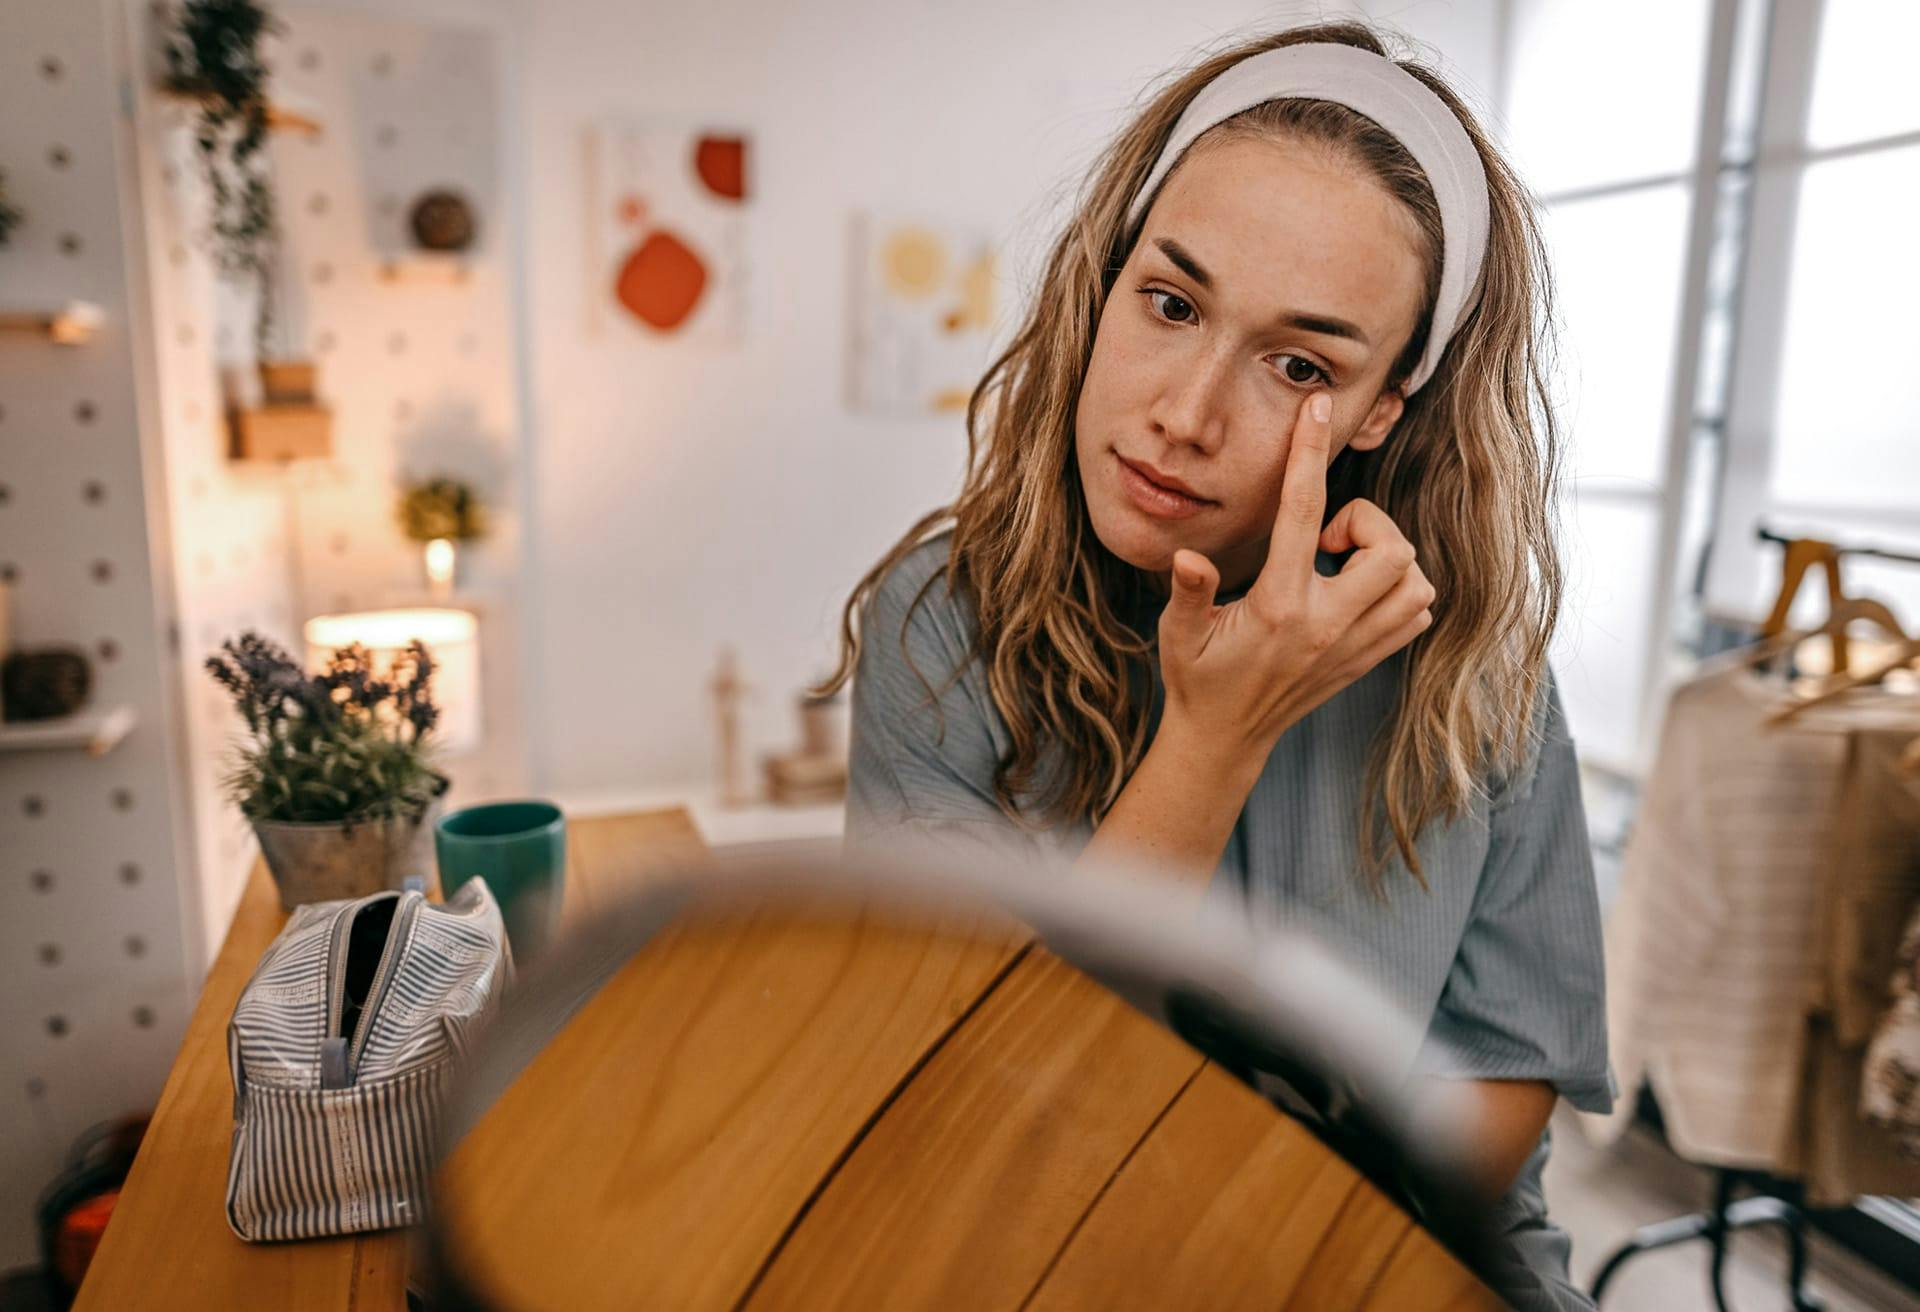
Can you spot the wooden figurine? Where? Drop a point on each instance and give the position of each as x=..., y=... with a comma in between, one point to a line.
x=728, y=689
x=817, y=772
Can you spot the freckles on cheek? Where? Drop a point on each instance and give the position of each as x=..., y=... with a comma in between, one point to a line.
x=1272, y=484
x=1124, y=341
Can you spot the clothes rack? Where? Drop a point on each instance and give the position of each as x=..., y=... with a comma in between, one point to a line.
x=1715, y=1225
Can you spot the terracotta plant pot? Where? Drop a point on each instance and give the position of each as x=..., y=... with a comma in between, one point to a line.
x=323, y=862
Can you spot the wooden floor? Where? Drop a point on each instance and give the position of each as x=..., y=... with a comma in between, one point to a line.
x=1601, y=1196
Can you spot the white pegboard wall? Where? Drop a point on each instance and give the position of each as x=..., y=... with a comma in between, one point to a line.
x=418, y=375
x=230, y=560
x=93, y=989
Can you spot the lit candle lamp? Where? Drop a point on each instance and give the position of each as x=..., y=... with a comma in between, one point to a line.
x=451, y=637
x=440, y=562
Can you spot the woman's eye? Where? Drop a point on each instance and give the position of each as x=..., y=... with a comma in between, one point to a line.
x=1314, y=374
x=1184, y=311
x=1178, y=309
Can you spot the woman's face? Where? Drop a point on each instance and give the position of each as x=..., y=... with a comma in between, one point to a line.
x=1265, y=271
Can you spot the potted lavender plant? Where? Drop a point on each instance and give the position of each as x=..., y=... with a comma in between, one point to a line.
x=336, y=772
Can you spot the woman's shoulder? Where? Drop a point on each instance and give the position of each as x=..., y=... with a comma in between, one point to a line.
x=1547, y=738
x=919, y=685
x=926, y=559
x=913, y=598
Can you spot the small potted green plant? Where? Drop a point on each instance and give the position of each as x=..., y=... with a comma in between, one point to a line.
x=441, y=513
x=337, y=771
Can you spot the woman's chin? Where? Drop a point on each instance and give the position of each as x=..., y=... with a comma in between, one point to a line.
x=1140, y=541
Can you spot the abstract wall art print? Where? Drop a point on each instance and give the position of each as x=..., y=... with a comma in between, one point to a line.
x=921, y=321
x=667, y=229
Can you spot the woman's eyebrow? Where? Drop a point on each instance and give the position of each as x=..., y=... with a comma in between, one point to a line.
x=1326, y=325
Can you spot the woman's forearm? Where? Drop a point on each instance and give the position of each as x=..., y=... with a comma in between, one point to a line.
x=1178, y=809
x=1175, y=816
x=1509, y=1116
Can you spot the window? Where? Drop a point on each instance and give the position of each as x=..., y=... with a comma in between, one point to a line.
x=1615, y=175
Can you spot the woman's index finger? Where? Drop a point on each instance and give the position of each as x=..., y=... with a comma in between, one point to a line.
x=1303, y=499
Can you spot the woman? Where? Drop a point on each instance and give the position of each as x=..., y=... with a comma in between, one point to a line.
x=1253, y=574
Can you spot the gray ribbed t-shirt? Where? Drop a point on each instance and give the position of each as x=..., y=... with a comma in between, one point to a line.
x=1502, y=950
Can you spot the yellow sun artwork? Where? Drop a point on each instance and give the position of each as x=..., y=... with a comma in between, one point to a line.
x=915, y=263
x=923, y=302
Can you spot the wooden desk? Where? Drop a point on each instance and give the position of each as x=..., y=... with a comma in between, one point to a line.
x=169, y=1246
x=828, y=1111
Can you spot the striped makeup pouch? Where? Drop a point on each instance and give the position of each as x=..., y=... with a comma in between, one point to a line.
x=340, y=1046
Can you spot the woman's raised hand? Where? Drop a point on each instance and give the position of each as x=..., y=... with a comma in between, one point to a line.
x=1238, y=676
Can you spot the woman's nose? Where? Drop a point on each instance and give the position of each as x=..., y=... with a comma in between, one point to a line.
x=1191, y=407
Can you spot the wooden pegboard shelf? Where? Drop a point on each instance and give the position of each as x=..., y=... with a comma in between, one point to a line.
x=73, y=324
x=425, y=266
x=279, y=117
x=94, y=732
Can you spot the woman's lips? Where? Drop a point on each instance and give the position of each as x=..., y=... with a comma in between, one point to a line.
x=1161, y=502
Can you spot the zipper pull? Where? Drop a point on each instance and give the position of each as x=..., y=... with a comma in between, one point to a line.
x=333, y=1062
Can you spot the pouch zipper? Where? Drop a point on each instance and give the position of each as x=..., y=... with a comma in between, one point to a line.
x=382, y=976
x=337, y=976
x=336, y=965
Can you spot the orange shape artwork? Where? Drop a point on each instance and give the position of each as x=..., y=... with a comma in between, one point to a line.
x=721, y=163
x=661, y=281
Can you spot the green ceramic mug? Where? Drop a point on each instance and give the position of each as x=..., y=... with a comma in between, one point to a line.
x=520, y=849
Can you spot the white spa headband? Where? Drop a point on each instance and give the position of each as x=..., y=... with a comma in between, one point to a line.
x=1400, y=103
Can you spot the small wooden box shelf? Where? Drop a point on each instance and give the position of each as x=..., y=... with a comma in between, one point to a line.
x=281, y=432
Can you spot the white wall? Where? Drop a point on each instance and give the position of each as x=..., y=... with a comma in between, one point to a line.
x=687, y=497
x=99, y=919
x=228, y=564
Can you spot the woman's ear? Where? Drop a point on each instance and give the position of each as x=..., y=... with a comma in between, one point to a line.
x=1380, y=420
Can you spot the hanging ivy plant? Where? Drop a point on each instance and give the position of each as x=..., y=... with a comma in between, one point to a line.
x=215, y=55
x=10, y=215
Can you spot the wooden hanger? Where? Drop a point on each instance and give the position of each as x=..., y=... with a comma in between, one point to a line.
x=1906, y=651
x=1802, y=554
x=1850, y=609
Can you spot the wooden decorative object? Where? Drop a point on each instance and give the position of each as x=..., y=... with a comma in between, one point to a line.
x=442, y=220
x=801, y=779
x=426, y=267
x=281, y=432
x=817, y=771
x=45, y=683
x=821, y=732
x=74, y=324
x=287, y=382
x=728, y=688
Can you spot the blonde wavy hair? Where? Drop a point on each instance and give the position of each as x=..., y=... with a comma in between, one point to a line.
x=1468, y=474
